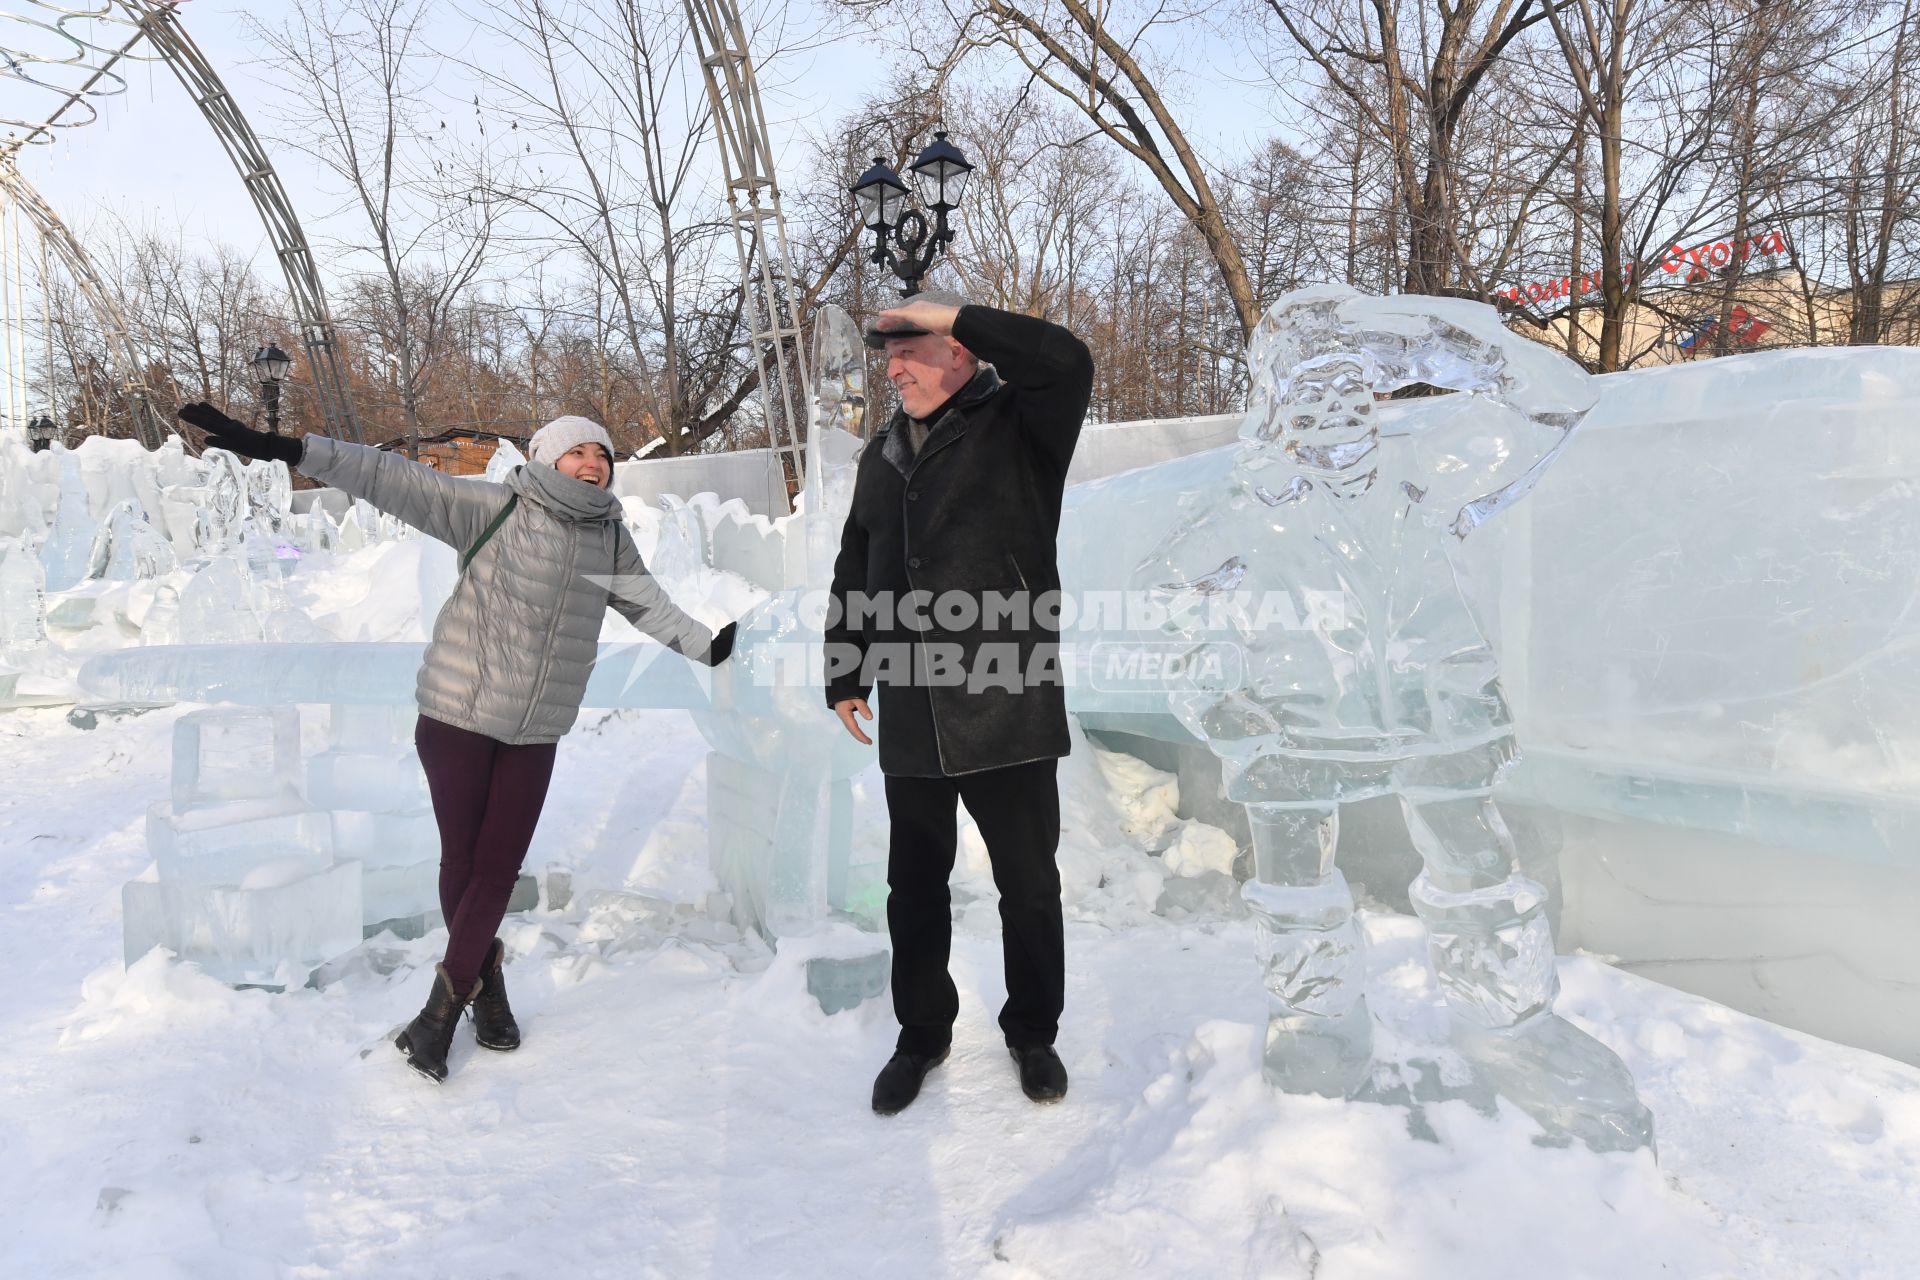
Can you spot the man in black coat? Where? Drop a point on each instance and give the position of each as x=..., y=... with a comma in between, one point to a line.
x=945, y=595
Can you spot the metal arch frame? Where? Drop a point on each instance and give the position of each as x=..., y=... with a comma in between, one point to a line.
x=113, y=322
x=759, y=228
x=197, y=76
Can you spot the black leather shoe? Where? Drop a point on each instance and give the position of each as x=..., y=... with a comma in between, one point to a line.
x=898, y=1083
x=1043, y=1077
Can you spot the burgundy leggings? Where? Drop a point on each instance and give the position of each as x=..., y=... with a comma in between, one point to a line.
x=486, y=798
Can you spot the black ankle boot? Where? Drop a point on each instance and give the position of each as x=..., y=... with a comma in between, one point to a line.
x=429, y=1036
x=493, y=1024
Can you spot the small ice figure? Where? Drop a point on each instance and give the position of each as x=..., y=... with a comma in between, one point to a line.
x=162, y=622
x=354, y=532
x=217, y=606
x=316, y=530
x=270, y=492
x=21, y=514
x=128, y=548
x=505, y=460
x=23, y=609
x=1372, y=676
x=172, y=466
x=680, y=548
x=69, y=545
x=225, y=503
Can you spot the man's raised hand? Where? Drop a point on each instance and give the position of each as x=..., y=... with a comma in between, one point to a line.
x=917, y=313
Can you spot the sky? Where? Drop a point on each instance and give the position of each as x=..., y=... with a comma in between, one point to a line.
x=149, y=160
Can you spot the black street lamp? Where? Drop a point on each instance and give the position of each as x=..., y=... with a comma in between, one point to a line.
x=270, y=365
x=940, y=174
x=40, y=433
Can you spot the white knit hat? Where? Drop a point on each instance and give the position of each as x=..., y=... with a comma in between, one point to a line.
x=552, y=441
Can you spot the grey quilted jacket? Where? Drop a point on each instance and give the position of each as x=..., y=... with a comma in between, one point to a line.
x=514, y=645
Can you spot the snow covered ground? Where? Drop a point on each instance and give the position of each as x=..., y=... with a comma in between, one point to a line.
x=681, y=1108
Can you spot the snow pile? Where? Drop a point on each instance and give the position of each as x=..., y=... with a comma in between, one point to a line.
x=682, y=1107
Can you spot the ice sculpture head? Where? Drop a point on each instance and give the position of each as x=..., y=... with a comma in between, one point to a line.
x=1320, y=356
x=1324, y=417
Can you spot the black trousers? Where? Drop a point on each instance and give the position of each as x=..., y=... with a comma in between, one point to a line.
x=1018, y=811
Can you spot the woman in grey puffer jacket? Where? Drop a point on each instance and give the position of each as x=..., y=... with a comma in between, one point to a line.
x=542, y=557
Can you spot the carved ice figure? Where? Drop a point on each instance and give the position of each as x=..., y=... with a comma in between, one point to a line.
x=503, y=462
x=21, y=512
x=162, y=623
x=69, y=544
x=217, y=606
x=224, y=504
x=269, y=492
x=680, y=548
x=781, y=841
x=23, y=612
x=128, y=548
x=356, y=528
x=1326, y=562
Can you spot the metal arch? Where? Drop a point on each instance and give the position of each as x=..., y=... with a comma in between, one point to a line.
x=759, y=228
x=113, y=322
x=196, y=75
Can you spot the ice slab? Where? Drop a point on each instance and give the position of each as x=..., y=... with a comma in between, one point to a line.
x=839, y=983
x=271, y=933
x=387, y=781
x=369, y=728
x=228, y=842
x=223, y=754
x=385, y=839
x=626, y=675
x=391, y=893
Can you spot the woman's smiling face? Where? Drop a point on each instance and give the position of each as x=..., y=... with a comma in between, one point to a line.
x=587, y=462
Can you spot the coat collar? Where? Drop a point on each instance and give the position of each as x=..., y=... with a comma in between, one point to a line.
x=950, y=426
x=566, y=497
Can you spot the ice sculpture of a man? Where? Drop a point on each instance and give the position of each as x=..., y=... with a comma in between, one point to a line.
x=1388, y=685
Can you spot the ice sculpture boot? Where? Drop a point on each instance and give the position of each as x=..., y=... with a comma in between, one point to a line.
x=1493, y=954
x=493, y=1024
x=428, y=1038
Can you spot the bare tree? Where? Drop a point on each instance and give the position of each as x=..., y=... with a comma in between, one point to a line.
x=362, y=69
x=1412, y=74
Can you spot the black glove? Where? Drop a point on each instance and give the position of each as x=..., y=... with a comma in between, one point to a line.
x=236, y=437
x=722, y=644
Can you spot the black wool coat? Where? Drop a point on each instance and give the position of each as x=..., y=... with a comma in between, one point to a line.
x=974, y=516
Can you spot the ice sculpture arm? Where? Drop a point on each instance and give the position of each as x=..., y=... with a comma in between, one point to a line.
x=640, y=598
x=1050, y=368
x=845, y=644
x=438, y=505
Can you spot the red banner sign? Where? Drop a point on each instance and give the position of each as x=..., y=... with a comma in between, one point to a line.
x=1698, y=263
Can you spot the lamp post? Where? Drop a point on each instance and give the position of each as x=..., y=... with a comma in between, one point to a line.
x=40, y=433
x=940, y=175
x=270, y=365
